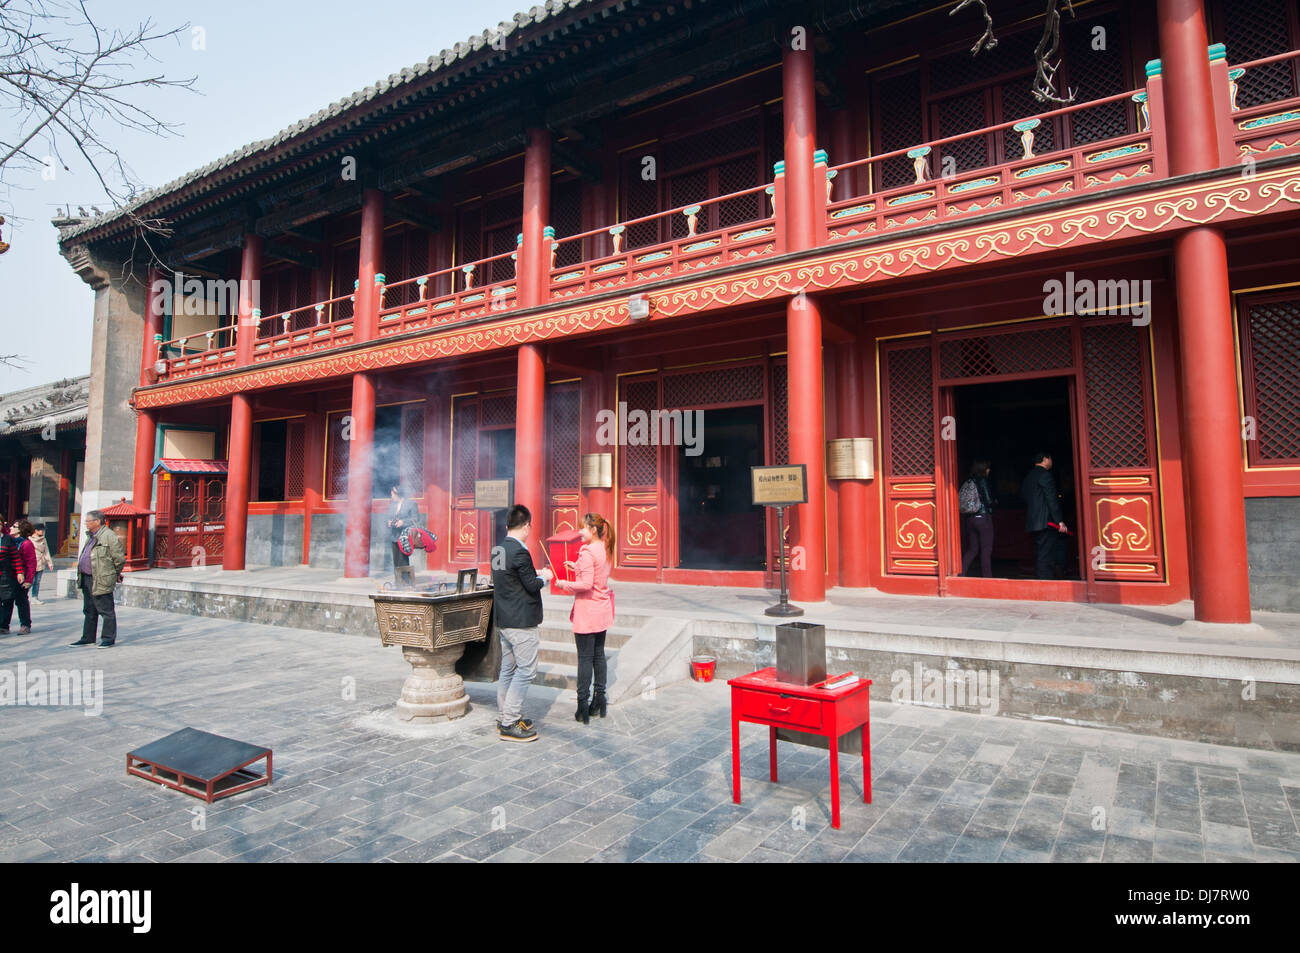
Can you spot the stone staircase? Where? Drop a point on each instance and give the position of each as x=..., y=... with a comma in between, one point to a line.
x=643, y=652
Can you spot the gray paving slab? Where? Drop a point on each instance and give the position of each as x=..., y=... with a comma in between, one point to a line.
x=651, y=783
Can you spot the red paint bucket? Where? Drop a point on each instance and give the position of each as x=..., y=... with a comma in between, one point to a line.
x=702, y=667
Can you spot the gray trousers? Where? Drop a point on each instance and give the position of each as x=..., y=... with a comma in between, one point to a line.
x=518, y=666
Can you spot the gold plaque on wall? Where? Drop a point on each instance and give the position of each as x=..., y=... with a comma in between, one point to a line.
x=493, y=494
x=851, y=458
x=597, y=471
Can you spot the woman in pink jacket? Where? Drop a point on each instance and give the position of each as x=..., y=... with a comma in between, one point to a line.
x=593, y=610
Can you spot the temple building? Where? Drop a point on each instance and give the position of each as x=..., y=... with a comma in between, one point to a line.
x=42, y=458
x=766, y=227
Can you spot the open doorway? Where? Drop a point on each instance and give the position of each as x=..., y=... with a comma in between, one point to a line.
x=497, y=462
x=1005, y=424
x=719, y=527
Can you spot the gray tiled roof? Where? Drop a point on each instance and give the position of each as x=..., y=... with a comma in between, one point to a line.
x=32, y=408
x=356, y=102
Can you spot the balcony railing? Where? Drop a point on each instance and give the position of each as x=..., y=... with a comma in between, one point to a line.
x=426, y=307
x=640, y=253
x=1019, y=165
x=313, y=327
x=1272, y=125
x=200, y=353
x=1031, y=177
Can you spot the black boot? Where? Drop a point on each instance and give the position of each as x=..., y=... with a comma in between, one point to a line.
x=598, y=705
x=583, y=714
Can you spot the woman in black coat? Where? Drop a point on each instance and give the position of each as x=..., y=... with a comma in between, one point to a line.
x=402, y=514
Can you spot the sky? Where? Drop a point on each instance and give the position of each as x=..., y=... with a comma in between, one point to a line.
x=258, y=67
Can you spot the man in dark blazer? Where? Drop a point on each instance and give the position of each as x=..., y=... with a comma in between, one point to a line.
x=517, y=605
x=1041, y=508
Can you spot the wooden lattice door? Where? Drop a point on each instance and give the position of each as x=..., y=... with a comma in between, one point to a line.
x=909, y=487
x=1122, y=496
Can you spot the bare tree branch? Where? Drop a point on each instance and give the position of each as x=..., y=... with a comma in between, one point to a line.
x=68, y=82
x=1044, y=88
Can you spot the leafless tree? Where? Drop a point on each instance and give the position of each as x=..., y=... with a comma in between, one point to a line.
x=67, y=83
x=1044, y=89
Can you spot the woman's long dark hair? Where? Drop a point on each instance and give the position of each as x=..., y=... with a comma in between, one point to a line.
x=980, y=469
x=604, y=531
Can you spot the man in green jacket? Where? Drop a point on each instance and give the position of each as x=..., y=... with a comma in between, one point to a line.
x=99, y=568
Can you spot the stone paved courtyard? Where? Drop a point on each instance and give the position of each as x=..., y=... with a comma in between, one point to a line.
x=652, y=782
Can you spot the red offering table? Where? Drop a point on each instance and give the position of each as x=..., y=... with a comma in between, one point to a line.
x=829, y=712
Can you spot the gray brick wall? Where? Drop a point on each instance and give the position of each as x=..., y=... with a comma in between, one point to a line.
x=1273, y=548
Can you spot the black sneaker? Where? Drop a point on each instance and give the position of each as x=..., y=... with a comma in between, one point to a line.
x=516, y=732
x=83, y=642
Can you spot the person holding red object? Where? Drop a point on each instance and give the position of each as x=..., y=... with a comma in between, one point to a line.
x=593, y=611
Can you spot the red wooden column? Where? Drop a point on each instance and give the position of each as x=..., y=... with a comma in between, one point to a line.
x=1212, y=464
x=356, y=554
x=250, y=280
x=534, y=270
x=804, y=326
x=146, y=425
x=851, y=398
x=437, y=474
x=593, y=399
x=808, y=443
x=800, y=117
x=530, y=429
x=241, y=444
x=365, y=321
x=313, y=475
x=146, y=433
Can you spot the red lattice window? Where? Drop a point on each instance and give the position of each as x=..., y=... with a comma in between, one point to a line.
x=960, y=114
x=336, y=457
x=1095, y=74
x=412, y=452
x=995, y=355
x=464, y=446
x=911, y=411
x=564, y=455
x=295, y=459
x=346, y=259
x=898, y=104
x=1113, y=380
x=1019, y=103
x=722, y=385
x=566, y=216
x=1253, y=30
x=780, y=414
x=406, y=255
x=1271, y=371
x=497, y=411
x=641, y=463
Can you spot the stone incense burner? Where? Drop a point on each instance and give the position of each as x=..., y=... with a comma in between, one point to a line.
x=433, y=629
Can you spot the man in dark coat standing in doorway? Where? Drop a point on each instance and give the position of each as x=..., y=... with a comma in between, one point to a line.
x=1042, y=507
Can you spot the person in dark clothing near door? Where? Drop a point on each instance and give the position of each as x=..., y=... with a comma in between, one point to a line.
x=1042, y=514
x=975, y=501
x=517, y=605
x=404, y=513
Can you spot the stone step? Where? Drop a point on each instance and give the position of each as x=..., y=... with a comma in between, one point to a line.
x=615, y=637
x=557, y=675
x=566, y=652
x=626, y=621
